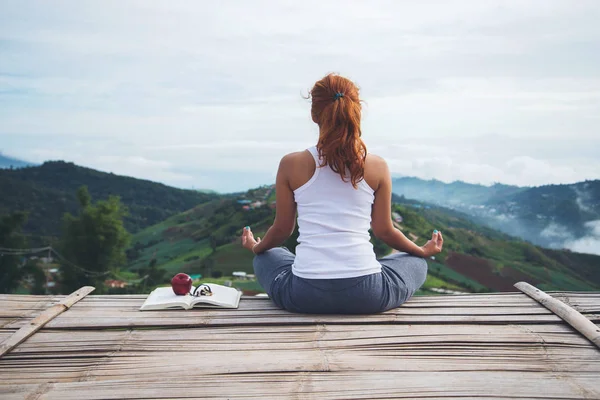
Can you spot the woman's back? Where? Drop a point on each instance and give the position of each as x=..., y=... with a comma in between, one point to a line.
x=333, y=220
x=339, y=192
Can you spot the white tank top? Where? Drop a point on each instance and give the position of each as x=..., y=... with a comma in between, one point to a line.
x=333, y=223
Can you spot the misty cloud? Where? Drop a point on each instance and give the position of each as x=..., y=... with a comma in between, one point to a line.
x=555, y=231
x=561, y=238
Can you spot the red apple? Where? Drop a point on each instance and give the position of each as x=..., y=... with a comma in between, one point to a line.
x=181, y=284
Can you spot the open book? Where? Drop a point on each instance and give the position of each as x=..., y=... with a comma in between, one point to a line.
x=163, y=298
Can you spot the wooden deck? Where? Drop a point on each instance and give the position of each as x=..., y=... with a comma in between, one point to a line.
x=492, y=346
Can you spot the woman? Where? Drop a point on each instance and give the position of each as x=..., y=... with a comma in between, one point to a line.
x=339, y=192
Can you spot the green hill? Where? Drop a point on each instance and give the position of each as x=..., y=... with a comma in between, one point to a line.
x=47, y=191
x=201, y=239
x=204, y=240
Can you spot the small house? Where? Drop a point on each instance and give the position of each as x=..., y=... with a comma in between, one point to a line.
x=397, y=217
x=113, y=283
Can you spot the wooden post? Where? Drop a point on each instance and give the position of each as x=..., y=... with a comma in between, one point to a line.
x=573, y=317
x=37, y=323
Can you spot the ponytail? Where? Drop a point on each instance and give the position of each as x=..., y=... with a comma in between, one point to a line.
x=336, y=109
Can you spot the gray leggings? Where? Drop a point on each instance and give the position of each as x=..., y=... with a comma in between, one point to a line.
x=401, y=275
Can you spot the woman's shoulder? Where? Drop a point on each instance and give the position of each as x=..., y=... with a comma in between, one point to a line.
x=295, y=157
x=376, y=161
x=297, y=168
x=376, y=170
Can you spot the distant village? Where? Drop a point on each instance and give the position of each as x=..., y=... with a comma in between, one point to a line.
x=258, y=198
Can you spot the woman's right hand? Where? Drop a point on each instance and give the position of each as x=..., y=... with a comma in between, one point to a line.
x=248, y=240
x=433, y=246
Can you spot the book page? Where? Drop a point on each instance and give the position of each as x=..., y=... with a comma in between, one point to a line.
x=163, y=298
x=223, y=296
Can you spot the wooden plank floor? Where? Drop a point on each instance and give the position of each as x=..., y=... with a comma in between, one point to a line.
x=492, y=346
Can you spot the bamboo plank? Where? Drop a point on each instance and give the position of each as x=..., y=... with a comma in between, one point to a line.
x=420, y=301
x=583, y=305
x=106, y=355
x=206, y=317
x=38, y=322
x=568, y=314
x=295, y=337
x=359, y=385
x=241, y=312
x=202, y=365
x=5, y=333
x=252, y=333
x=23, y=308
x=22, y=298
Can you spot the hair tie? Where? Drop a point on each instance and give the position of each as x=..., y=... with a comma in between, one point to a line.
x=338, y=95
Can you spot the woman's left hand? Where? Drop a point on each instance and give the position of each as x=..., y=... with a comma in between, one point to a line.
x=433, y=246
x=248, y=240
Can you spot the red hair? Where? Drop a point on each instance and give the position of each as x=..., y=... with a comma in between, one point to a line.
x=336, y=109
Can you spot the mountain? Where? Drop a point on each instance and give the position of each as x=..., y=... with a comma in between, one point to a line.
x=205, y=240
x=556, y=216
x=551, y=215
x=9, y=162
x=47, y=191
x=457, y=193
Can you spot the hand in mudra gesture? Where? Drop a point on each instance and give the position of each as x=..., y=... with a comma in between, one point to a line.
x=248, y=240
x=433, y=246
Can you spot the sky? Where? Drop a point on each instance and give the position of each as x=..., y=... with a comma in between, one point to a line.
x=206, y=94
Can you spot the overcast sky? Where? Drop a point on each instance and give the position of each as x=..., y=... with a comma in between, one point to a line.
x=188, y=92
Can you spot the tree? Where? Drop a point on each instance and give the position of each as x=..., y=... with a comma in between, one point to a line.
x=36, y=276
x=213, y=243
x=207, y=265
x=10, y=237
x=93, y=242
x=154, y=276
